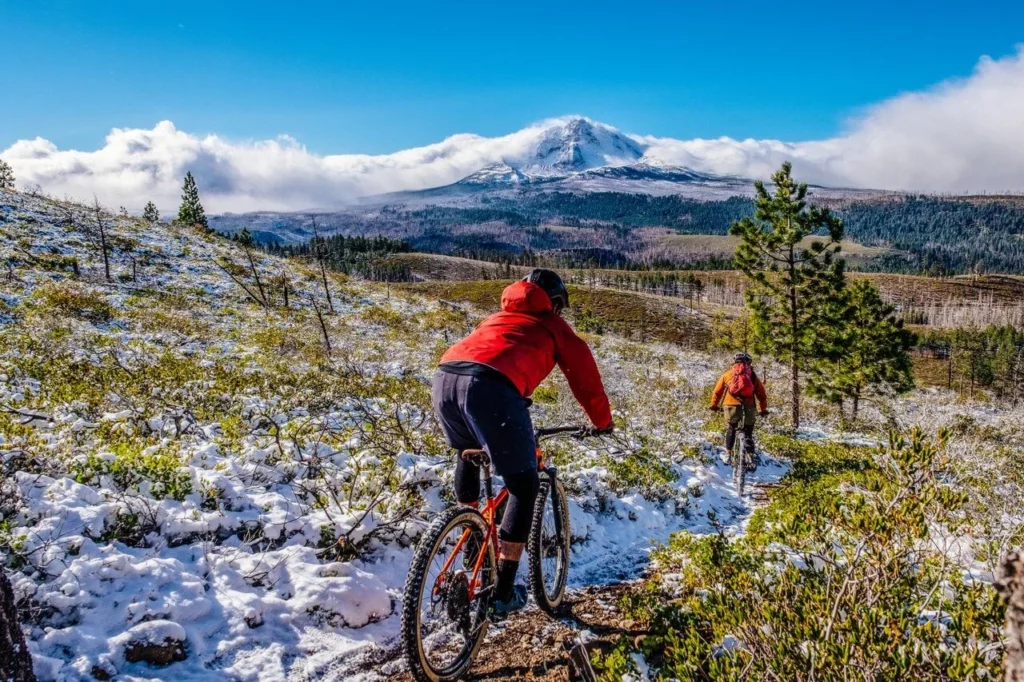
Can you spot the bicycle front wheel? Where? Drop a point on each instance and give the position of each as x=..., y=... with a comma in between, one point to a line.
x=444, y=610
x=549, y=546
x=739, y=469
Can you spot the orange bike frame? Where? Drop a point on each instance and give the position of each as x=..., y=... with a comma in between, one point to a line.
x=488, y=512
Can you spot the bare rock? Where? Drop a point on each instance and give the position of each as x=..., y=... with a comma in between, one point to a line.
x=156, y=642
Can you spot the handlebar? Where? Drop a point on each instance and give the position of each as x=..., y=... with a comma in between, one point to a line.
x=575, y=431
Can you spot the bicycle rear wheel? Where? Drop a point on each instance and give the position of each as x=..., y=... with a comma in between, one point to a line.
x=549, y=546
x=442, y=625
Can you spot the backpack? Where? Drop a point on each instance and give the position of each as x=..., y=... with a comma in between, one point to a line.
x=741, y=384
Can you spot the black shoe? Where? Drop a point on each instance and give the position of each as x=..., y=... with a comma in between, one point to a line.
x=503, y=609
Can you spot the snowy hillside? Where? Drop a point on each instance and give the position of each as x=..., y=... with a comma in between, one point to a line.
x=203, y=481
x=187, y=469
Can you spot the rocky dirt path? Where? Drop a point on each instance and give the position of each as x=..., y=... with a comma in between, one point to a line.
x=535, y=646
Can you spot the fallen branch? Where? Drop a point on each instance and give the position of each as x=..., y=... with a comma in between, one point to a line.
x=240, y=283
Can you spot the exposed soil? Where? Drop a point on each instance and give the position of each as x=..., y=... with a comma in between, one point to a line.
x=534, y=646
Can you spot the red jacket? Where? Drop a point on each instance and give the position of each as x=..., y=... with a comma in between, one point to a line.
x=526, y=340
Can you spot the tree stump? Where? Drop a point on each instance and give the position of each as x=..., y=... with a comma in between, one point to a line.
x=15, y=660
x=1010, y=583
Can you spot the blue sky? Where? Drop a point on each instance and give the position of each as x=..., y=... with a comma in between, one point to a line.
x=381, y=76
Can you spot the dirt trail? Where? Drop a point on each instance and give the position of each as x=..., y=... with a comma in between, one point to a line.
x=534, y=646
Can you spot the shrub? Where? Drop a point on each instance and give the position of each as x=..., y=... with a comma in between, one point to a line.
x=384, y=316
x=71, y=300
x=586, y=321
x=849, y=587
x=642, y=471
x=159, y=474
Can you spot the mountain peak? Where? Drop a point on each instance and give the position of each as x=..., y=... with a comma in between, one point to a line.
x=577, y=144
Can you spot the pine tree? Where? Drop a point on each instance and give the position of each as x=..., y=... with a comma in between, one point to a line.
x=150, y=212
x=191, y=211
x=6, y=175
x=792, y=287
x=874, y=355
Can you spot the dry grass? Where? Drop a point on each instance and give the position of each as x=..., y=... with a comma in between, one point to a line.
x=704, y=245
x=634, y=316
x=931, y=301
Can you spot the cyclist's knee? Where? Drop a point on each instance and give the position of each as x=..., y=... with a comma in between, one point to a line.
x=522, y=489
x=523, y=485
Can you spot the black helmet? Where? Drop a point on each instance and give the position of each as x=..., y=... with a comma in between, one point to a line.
x=743, y=357
x=552, y=284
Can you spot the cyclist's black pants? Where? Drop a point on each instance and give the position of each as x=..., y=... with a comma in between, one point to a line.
x=740, y=417
x=487, y=412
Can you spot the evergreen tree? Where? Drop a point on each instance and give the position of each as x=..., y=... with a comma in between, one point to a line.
x=792, y=288
x=874, y=355
x=6, y=175
x=191, y=211
x=151, y=213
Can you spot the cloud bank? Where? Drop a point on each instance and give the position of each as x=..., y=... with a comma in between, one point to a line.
x=964, y=135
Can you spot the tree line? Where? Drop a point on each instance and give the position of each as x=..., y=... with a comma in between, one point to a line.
x=359, y=256
x=976, y=358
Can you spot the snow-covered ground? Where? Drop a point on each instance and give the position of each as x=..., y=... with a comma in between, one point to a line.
x=189, y=472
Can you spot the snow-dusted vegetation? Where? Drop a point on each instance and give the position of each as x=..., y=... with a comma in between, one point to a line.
x=209, y=474
x=186, y=465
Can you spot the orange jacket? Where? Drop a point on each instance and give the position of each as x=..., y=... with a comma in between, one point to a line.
x=722, y=390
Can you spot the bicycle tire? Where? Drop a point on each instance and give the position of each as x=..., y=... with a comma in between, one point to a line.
x=412, y=645
x=739, y=469
x=549, y=600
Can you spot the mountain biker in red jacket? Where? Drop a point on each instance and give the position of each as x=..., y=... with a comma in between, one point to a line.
x=481, y=399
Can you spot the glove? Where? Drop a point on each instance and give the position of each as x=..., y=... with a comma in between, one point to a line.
x=590, y=431
x=715, y=408
x=763, y=413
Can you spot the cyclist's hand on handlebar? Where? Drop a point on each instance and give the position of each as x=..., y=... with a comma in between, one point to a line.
x=590, y=431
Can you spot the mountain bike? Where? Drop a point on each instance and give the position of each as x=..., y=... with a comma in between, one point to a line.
x=741, y=461
x=454, y=570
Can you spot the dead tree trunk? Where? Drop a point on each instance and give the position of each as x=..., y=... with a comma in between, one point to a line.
x=318, y=248
x=101, y=236
x=1010, y=583
x=15, y=660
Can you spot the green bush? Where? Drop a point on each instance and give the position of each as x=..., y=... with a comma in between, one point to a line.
x=132, y=471
x=641, y=471
x=587, y=321
x=843, y=585
x=71, y=300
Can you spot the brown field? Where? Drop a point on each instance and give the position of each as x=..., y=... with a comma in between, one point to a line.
x=706, y=245
x=640, y=317
x=929, y=301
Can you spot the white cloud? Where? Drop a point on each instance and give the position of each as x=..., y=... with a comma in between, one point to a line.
x=962, y=135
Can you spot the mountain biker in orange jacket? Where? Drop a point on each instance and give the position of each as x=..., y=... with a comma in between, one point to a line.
x=481, y=399
x=740, y=409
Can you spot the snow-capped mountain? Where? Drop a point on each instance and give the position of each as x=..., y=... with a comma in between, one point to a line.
x=577, y=152
x=580, y=144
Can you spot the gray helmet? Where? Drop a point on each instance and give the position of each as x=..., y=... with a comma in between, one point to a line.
x=744, y=358
x=553, y=286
